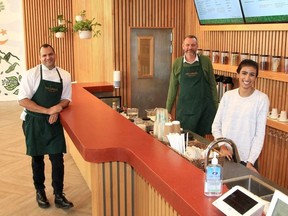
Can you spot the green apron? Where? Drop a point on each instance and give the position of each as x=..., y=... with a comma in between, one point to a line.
x=41, y=136
x=195, y=108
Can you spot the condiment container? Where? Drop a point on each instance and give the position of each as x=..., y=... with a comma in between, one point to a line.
x=215, y=56
x=224, y=57
x=286, y=64
x=234, y=58
x=199, y=51
x=243, y=56
x=275, y=63
x=206, y=53
x=254, y=57
x=264, y=64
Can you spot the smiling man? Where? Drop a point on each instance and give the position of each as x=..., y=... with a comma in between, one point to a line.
x=45, y=91
x=193, y=77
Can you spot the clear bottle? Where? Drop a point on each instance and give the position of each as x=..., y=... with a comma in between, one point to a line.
x=114, y=106
x=213, y=178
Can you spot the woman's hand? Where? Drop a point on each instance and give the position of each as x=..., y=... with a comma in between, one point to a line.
x=251, y=167
x=226, y=152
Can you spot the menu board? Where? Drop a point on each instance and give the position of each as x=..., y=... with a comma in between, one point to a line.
x=265, y=11
x=219, y=12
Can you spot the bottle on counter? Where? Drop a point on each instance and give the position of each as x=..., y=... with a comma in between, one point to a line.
x=213, y=178
x=114, y=106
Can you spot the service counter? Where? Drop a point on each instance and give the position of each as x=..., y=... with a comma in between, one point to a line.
x=128, y=171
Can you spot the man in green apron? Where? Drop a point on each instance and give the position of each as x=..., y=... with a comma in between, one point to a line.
x=45, y=91
x=192, y=75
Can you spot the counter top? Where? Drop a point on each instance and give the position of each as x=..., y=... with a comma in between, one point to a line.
x=103, y=135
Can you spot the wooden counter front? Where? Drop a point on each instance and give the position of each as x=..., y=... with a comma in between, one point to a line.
x=103, y=136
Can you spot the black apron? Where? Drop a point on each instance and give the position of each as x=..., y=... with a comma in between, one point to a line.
x=195, y=108
x=41, y=136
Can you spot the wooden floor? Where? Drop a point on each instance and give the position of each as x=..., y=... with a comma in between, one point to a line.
x=17, y=194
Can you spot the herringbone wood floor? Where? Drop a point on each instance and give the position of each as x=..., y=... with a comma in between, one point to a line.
x=17, y=194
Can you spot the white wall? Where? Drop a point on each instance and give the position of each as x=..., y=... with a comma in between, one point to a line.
x=12, y=48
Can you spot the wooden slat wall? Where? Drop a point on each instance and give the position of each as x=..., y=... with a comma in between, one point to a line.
x=143, y=14
x=274, y=156
x=273, y=160
x=38, y=17
x=117, y=189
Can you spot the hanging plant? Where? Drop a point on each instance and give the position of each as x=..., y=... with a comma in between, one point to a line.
x=60, y=29
x=87, y=25
x=81, y=15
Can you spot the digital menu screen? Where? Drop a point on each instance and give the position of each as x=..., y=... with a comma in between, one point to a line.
x=265, y=11
x=239, y=201
x=219, y=12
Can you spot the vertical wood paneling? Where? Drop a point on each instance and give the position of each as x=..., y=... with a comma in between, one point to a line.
x=37, y=20
x=273, y=158
x=143, y=14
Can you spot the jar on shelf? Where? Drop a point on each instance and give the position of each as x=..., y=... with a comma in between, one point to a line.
x=254, y=57
x=224, y=57
x=275, y=63
x=244, y=56
x=234, y=58
x=264, y=63
x=285, y=64
x=206, y=53
x=215, y=56
x=199, y=52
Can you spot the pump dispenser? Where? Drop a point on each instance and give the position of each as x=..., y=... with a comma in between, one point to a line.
x=213, y=178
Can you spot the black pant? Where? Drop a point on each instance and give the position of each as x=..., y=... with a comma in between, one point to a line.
x=38, y=167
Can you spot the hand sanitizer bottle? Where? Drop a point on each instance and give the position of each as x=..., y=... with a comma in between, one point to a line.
x=213, y=178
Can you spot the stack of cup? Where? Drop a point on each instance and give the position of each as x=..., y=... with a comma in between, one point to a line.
x=283, y=116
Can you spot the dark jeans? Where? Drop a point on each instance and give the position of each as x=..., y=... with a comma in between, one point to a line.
x=38, y=167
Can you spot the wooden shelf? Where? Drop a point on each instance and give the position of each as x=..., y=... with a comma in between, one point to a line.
x=277, y=125
x=278, y=76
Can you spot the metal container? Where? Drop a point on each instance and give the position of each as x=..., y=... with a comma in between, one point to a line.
x=219, y=79
x=227, y=84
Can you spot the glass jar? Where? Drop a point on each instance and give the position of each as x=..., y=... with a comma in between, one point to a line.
x=264, y=64
x=199, y=52
x=224, y=57
x=215, y=56
x=275, y=63
x=243, y=56
x=254, y=57
x=285, y=64
x=234, y=58
x=206, y=53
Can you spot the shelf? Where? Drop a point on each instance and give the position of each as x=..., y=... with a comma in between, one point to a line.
x=278, y=76
x=277, y=125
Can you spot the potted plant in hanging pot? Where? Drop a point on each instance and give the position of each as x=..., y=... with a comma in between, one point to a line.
x=61, y=20
x=87, y=28
x=58, y=31
x=80, y=16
